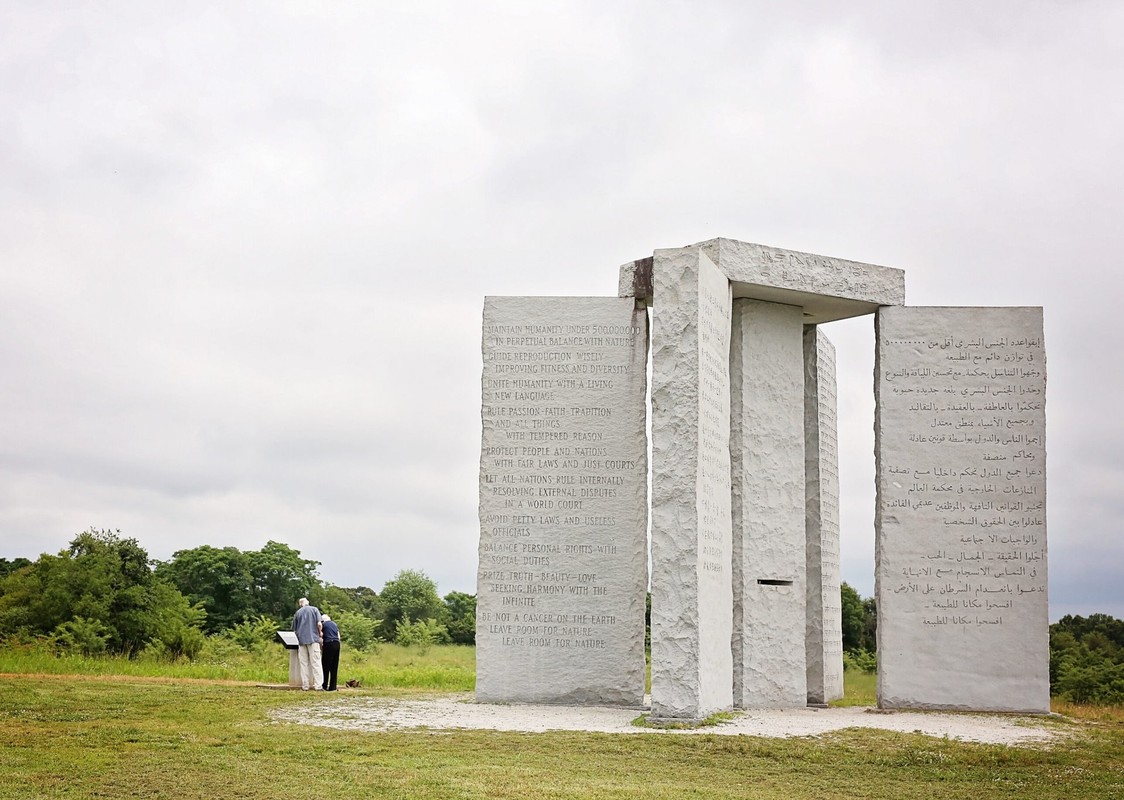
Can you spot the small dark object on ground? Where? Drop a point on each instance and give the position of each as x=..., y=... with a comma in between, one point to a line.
x=352, y=684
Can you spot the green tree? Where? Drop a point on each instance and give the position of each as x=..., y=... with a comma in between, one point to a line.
x=870, y=625
x=357, y=599
x=19, y=591
x=101, y=588
x=175, y=622
x=461, y=611
x=8, y=567
x=410, y=593
x=1087, y=659
x=367, y=599
x=335, y=600
x=218, y=579
x=279, y=576
x=1080, y=627
x=853, y=618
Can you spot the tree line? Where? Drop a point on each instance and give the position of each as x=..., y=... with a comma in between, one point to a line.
x=860, y=629
x=1087, y=659
x=1086, y=653
x=104, y=594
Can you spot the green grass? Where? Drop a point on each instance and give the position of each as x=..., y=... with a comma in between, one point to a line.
x=859, y=689
x=442, y=668
x=95, y=736
x=154, y=732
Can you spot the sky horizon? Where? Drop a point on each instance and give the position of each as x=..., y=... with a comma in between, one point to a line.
x=245, y=246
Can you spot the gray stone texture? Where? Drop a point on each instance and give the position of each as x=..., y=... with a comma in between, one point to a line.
x=826, y=288
x=294, y=668
x=691, y=515
x=824, y=621
x=767, y=453
x=563, y=502
x=961, y=510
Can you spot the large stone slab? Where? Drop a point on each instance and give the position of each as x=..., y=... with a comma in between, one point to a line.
x=563, y=502
x=824, y=622
x=767, y=452
x=692, y=667
x=961, y=514
x=826, y=288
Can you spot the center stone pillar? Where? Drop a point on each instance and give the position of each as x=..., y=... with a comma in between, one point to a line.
x=767, y=448
x=692, y=669
x=824, y=627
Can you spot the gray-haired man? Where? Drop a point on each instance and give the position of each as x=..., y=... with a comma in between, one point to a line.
x=307, y=626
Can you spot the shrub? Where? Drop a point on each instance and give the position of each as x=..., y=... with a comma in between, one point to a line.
x=1097, y=682
x=254, y=634
x=422, y=634
x=1087, y=659
x=183, y=642
x=461, y=617
x=357, y=630
x=80, y=635
x=860, y=661
x=221, y=650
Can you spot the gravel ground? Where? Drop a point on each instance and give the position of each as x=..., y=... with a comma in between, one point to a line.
x=460, y=712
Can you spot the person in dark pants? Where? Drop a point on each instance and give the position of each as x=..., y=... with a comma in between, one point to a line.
x=330, y=652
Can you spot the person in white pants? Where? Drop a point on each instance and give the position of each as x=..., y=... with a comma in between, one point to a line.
x=310, y=633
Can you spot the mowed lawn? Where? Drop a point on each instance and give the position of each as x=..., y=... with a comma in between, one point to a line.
x=121, y=737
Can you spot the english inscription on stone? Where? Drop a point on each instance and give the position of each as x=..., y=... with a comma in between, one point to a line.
x=692, y=595
x=563, y=501
x=961, y=514
x=715, y=514
x=824, y=624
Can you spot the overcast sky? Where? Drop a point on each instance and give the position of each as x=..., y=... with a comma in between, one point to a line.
x=244, y=246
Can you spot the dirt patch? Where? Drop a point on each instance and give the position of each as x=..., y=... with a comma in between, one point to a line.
x=460, y=712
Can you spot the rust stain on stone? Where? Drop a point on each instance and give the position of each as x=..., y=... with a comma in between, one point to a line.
x=642, y=277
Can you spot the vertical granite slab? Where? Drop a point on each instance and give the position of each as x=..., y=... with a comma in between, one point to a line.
x=960, y=521
x=692, y=669
x=824, y=622
x=563, y=502
x=767, y=452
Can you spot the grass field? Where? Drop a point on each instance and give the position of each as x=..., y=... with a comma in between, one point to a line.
x=122, y=736
x=447, y=668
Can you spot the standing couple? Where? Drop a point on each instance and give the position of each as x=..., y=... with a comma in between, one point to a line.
x=315, y=630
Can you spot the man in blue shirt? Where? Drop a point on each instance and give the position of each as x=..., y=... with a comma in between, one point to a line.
x=331, y=652
x=307, y=626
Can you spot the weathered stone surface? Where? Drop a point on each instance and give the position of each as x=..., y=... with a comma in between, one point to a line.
x=767, y=452
x=563, y=502
x=824, y=623
x=294, y=668
x=961, y=513
x=826, y=288
x=691, y=541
